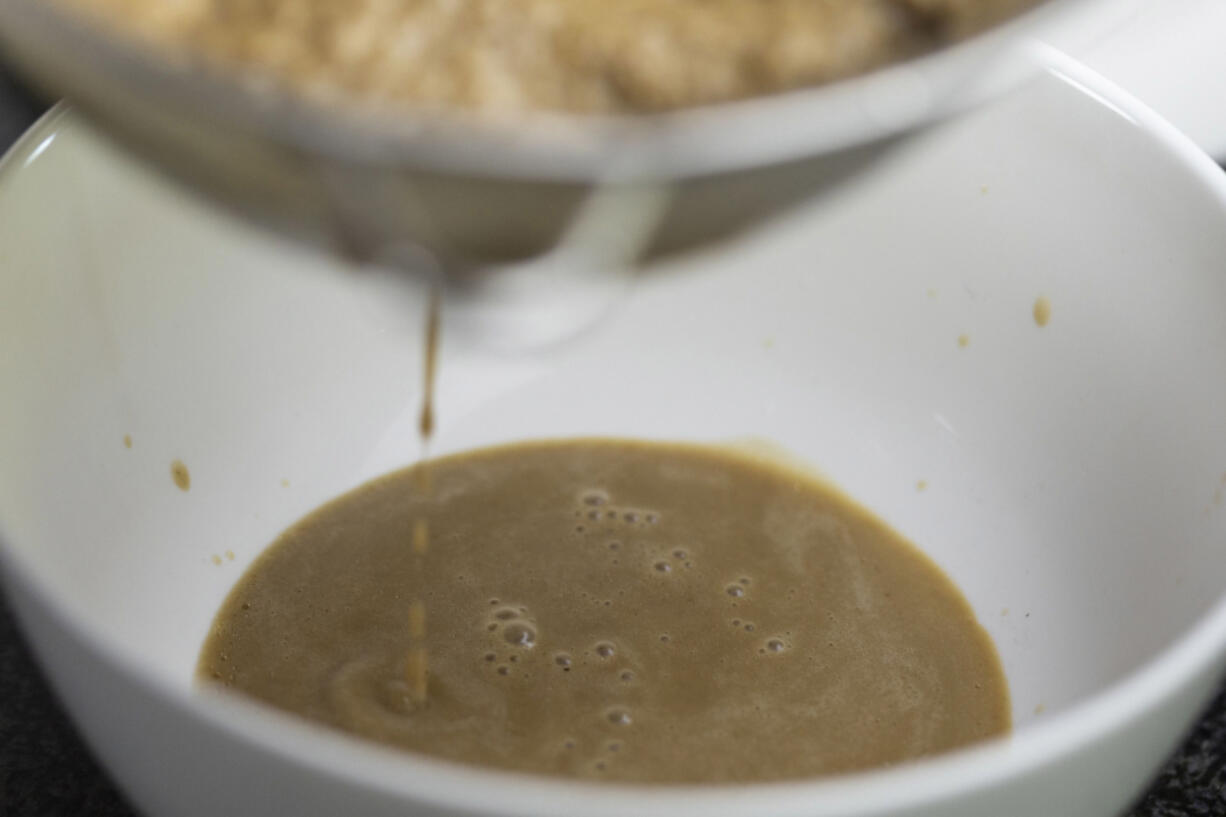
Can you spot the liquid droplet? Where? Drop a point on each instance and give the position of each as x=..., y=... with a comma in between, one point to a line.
x=181, y=476
x=1042, y=311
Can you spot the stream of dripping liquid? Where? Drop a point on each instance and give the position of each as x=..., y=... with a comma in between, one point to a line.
x=417, y=665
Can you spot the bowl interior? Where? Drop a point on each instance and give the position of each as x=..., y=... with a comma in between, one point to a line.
x=1074, y=472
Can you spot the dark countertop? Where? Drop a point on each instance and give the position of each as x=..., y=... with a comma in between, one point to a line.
x=45, y=769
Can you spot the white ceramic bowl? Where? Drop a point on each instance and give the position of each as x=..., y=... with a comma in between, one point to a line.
x=1074, y=472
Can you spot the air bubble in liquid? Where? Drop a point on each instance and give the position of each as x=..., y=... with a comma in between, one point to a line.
x=520, y=634
x=605, y=649
x=506, y=614
x=735, y=590
x=619, y=716
x=663, y=567
x=595, y=498
x=775, y=645
x=562, y=660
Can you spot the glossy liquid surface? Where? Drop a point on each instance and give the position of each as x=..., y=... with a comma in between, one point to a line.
x=615, y=610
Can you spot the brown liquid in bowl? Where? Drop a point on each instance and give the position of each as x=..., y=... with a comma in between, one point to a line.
x=617, y=610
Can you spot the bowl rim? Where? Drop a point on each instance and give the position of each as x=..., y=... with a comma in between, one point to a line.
x=679, y=144
x=332, y=756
